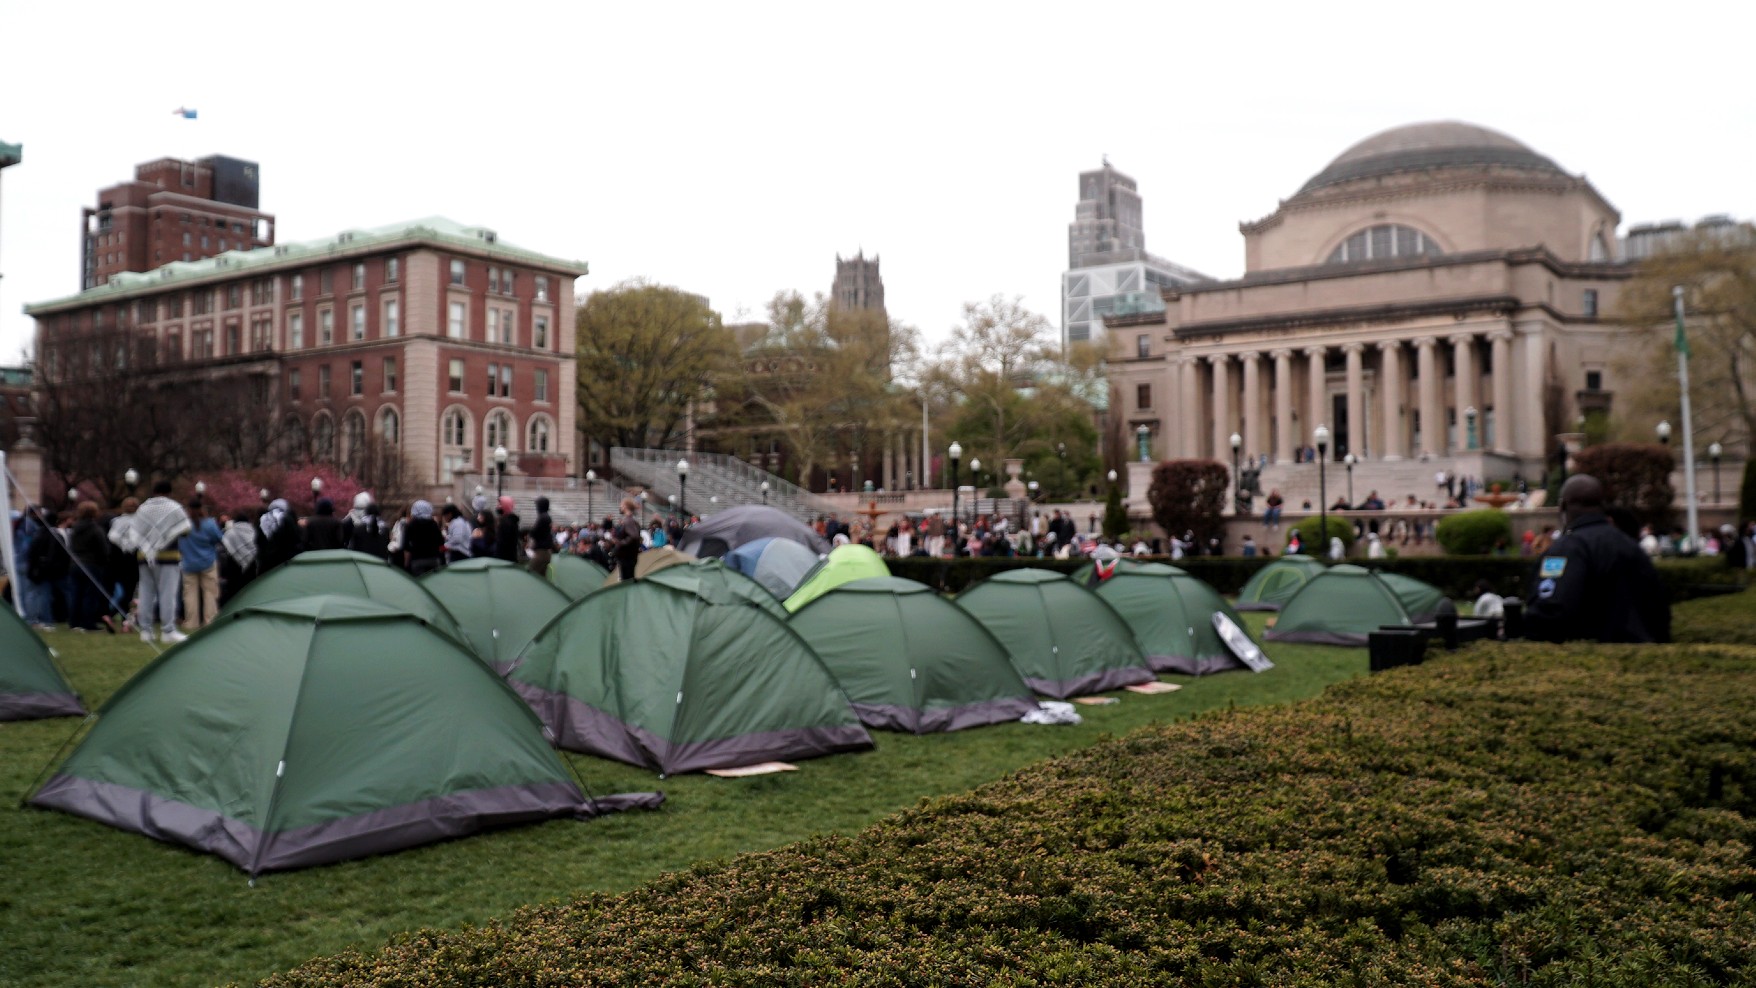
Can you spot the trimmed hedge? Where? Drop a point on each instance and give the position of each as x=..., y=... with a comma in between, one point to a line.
x=1729, y=618
x=1308, y=529
x=1474, y=533
x=1516, y=814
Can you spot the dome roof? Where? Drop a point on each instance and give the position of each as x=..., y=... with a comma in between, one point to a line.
x=1438, y=144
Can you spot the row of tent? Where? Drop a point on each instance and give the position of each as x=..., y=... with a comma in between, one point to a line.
x=1335, y=605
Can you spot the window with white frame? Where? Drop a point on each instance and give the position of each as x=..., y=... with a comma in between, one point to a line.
x=392, y=318
x=539, y=332
x=392, y=269
x=326, y=327
x=323, y=438
x=454, y=321
x=505, y=380
x=456, y=376
x=540, y=385
x=390, y=426
x=359, y=279
x=454, y=428
x=539, y=435
x=542, y=288
x=390, y=375
x=357, y=322
x=296, y=331
x=357, y=378
x=496, y=429
x=457, y=270
x=298, y=289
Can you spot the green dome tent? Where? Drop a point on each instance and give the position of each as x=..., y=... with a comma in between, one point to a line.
x=30, y=685
x=1171, y=614
x=1339, y=606
x=713, y=579
x=576, y=576
x=1273, y=585
x=844, y=564
x=679, y=680
x=1419, y=599
x=1061, y=637
x=498, y=605
x=346, y=574
x=910, y=660
x=307, y=731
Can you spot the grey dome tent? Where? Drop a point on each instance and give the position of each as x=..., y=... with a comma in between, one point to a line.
x=574, y=575
x=497, y=605
x=1270, y=587
x=349, y=574
x=679, y=676
x=308, y=731
x=1340, y=606
x=30, y=685
x=1061, y=637
x=910, y=660
x=723, y=531
x=1171, y=613
x=780, y=565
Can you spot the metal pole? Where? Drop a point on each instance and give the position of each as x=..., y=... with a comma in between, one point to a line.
x=925, y=457
x=1322, y=501
x=1694, y=533
x=7, y=553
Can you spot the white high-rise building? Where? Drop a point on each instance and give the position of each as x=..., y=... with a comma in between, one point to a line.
x=1109, y=269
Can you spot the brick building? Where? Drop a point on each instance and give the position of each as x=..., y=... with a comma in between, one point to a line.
x=431, y=340
x=174, y=210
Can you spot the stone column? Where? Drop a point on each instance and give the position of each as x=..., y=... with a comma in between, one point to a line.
x=1463, y=349
x=1254, y=436
x=1356, y=400
x=1283, y=406
x=1432, y=411
x=1190, y=435
x=1392, y=443
x=1502, y=385
x=1222, y=406
x=1315, y=399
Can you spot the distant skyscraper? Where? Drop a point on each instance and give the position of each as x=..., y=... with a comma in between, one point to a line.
x=857, y=284
x=174, y=210
x=1109, y=271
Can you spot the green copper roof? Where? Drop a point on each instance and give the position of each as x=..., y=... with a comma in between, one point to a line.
x=433, y=230
x=10, y=154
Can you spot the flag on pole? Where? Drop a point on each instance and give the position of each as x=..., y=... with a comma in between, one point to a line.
x=1682, y=341
x=184, y=112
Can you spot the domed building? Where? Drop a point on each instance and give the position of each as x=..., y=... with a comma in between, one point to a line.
x=1433, y=294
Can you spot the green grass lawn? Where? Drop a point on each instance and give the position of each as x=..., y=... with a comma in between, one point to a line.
x=84, y=904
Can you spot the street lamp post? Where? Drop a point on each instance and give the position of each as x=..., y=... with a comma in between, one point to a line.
x=1237, y=474
x=765, y=492
x=1061, y=468
x=1320, y=436
x=1032, y=486
x=132, y=478
x=499, y=472
x=975, y=483
x=1469, y=427
x=1664, y=433
x=591, y=481
x=1350, y=460
x=683, y=485
x=316, y=489
x=956, y=453
x=1143, y=442
x=1713, y=453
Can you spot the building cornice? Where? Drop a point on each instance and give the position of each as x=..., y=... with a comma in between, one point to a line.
x=1355, y=314
x=1609, y=271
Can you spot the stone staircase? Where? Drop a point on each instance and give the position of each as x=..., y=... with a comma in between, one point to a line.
x=716, y=482
x=1394, y=480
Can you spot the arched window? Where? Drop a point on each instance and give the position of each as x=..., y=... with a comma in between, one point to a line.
x=323, y=439
x=295, y=442
x=537, y=438
x=497, y=430
x=1384, y=241
x=455, y=428
x=390, y=426
x=353, y=433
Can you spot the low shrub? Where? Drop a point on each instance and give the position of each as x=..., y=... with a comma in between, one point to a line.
x=1310, y=528
x=1513, y=814
x=1474, y=533
x=1723, y=618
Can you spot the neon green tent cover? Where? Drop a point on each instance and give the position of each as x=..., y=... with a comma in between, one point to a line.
x=910, y=660
x=499, y=606
x=1339, y=606
x=314, y=730
x=348, y=574
x=844, y=564
x=1171, y=613
x=1270, y=587
x=576, y=576
x=30, y=685
x=682, y=679
x=1061, y=637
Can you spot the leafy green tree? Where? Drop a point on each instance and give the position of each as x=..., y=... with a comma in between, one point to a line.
x=647, y=353
x=1115, y=516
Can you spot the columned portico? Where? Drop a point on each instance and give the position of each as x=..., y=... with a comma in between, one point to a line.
x=1392, y=443
x=1356, y=400
x=1463, y=349
x=1191, y=425
x=1316, y=390
x=1283, y=406
x=1253, y=418
x=1222, y=405
x=1502, y=384
x=1432, y=409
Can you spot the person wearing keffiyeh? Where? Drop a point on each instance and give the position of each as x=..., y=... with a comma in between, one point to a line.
x=238, y=564
x=280, y=536
x=157, y=526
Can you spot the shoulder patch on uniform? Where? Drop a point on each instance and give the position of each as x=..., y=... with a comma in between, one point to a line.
x=1552, y=567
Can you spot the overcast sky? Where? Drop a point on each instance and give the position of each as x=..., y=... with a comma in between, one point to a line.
x=735, y=149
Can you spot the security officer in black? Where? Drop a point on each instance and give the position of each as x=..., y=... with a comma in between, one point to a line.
x=1594, y=583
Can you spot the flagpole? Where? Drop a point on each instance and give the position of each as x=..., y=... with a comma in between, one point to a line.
x=1694, y=533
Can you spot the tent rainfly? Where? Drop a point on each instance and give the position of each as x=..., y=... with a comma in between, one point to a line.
x=1270, y=587
x=910, y=660
x=1340, y=606
x=1171, y=614
x=651, y=561
x=575, y=576
x=347, y=574
x=780, y=565
x=30, y=685
x=681, y=678
x=844, y=564
x=1061, y=637
x=723, y=531
x=498, y=605
x=303, y=732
